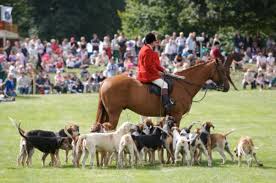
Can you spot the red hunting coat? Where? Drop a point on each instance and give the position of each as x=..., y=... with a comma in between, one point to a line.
x=148, y=65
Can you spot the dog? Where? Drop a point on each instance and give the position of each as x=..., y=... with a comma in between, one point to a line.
x=157, y=140
x=127, y=146
x=246, y=147
x=180, y=146
x=47, y=145
x=203, y=143
x=96, y=128
x=219, y=143
x=27, y=150
x=108, y=142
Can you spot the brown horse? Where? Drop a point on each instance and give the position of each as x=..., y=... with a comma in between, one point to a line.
x=121, y=92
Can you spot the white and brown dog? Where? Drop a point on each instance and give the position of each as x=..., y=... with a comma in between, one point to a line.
x=220, y=143
x=108, y=142
x=127, y=146
x=246, y=148
x=180, y=146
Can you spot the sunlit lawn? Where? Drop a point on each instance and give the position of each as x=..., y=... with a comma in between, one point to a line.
x=251, y=113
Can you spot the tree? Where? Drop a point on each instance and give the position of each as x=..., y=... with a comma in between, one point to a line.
x=141, y=16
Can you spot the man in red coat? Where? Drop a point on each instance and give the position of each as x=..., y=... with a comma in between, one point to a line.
x=150, y=70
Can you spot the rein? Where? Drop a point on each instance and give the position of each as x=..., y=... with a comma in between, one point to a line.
x=202, y=97
x=190, y=83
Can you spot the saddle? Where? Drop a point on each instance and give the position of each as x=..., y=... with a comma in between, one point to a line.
x=157, y=90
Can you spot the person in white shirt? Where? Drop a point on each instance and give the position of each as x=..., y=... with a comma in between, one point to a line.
x=249, y=78
x=261, y=61
x=191, y=44
x=23, y=83
x=164, y=60
x=180, y=42
x=270, y=61
x=171, y=49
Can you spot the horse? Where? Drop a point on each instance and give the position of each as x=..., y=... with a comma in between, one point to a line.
x=122, y=92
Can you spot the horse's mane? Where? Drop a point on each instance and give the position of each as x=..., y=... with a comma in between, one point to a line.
x=194, y=67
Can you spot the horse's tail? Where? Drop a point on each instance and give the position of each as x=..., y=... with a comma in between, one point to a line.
x=102, y=115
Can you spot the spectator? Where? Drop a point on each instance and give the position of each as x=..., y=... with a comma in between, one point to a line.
x=83, y=55
x=107, y=46
x=122, y=43
x=238, y=42
x=171, y=49
x=190, y=44
x=59, y=84
x=180, y=42
x=95, y=42
x=40, y=83
x=9, y=84
x=270, y=61
x=138, y=44
x=23, y=83
x=7, y=49
x=115, y=48
x=178, y=63
x=249, y=79
x=128, y=65
x=102, y=59
x=261, y=61
x=73, y=45
x=93, y=57
x=164, y=60
x=84, y=73
x=260, y=80
x=164, y=42
x=111, y=69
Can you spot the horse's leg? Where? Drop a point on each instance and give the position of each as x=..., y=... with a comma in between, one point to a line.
x=114, y=117
x=177, y=118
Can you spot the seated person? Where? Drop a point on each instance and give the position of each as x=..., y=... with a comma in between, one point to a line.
x=249, y=79
x=9, y=86
x=23, y=83
x=260, y=80
x=60, y=85
x=40, y=82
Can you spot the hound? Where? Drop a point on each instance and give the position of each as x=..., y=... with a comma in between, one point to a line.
x=246, y=148
x=108, y=142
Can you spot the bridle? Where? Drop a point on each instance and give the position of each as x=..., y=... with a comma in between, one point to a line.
x=221, y=74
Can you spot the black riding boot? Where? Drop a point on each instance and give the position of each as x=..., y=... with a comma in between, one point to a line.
x=167, y=102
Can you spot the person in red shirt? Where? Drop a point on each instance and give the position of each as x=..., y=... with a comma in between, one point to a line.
x=150, y=70
x=215, y=52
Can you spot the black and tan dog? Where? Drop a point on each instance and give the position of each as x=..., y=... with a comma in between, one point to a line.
x=47, y=145
x=159, y=138
x=27, y=150
x=202, y=143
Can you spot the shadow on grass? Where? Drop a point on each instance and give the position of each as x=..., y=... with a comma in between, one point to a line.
x=26, y=97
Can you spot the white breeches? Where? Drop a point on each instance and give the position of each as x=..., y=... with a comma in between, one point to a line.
x=161, y=83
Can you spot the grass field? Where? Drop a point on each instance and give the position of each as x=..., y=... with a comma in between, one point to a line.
x=249, y=112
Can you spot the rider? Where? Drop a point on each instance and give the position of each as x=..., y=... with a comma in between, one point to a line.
x=150, y=70
x=215, y=52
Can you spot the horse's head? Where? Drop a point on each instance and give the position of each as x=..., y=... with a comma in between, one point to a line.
x=219, y=76
x=237, y=56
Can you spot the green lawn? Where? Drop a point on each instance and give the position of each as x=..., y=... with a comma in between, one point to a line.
x=249, y=112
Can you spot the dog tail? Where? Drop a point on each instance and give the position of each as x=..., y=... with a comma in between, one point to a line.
x=231, y=131
x=80, y=143
x=20, y=130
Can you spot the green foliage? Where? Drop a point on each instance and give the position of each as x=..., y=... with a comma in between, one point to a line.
x=64, y=18
x=21, y=14
x=254, y=16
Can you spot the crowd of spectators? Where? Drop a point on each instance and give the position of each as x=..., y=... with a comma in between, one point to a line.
x=44, y=67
